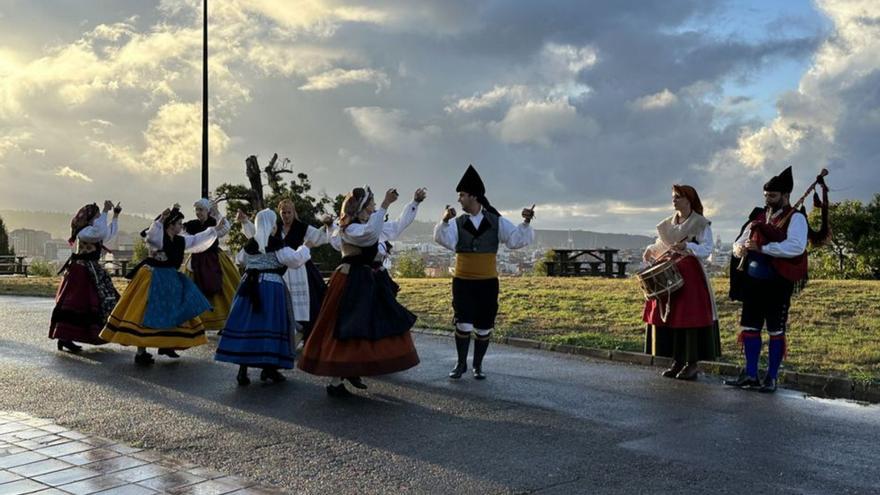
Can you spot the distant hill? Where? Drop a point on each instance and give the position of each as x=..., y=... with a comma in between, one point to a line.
x=546, y=239
x=58, y=224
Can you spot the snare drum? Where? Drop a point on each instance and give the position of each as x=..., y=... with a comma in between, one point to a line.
x=660, y=280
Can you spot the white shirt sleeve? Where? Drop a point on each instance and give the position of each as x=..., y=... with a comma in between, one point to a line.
x=392, y=230
x=95, y=232
x=114, y=230
x=317, y=236
x=446, y=234
x=795, y=242
x=365, y=234
x=515, y=236
x=155, y=235
x=200, y=242
x=704, y=248
x=739, y=249
x=293, y=258
x=336, y=238
x=248, y=229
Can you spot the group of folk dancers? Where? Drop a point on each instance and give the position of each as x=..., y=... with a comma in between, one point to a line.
x=280, y=312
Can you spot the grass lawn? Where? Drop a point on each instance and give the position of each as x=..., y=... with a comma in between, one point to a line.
x=834, y=324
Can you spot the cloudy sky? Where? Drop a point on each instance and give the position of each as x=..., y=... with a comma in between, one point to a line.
x=591, y=109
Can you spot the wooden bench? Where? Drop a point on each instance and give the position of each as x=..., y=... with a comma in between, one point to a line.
x=13, y=265
x=621, y=268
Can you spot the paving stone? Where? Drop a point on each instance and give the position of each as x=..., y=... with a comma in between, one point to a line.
x=115, y=464
x=49, y=491
x=128, y=490
x=89, y=456
x=124, y=449
x=142, y=473
x=14, y=460
x=210, y=487
x=65, y=476
x=6, y=476
x=41, y=467
x=93, y=485
x=21, y=487
x=65, y=449
x=171, y=481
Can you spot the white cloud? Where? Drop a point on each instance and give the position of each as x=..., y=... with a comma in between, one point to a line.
x=654, y=101
x=489, y=99
x=73, y=174
x=387, y=128
x=542, y=123
x=340, y=77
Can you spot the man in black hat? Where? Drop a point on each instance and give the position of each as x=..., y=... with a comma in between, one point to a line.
x=766, y=286
x=475, y=237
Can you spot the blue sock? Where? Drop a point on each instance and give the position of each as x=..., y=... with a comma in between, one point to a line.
x=775, y=352
x=752, y=344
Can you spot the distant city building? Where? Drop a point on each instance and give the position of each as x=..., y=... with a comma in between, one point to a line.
x=29, y=242
x=56, y=250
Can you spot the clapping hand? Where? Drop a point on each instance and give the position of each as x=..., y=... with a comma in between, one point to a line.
x=528, y=214
x=420, y=195
x=390, y=197
x=448, y=214
x=240, y=216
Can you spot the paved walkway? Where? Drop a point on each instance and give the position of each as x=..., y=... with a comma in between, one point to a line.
x=38, y=456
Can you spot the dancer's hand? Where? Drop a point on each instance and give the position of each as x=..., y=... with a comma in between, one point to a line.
x=420, y=195
x=117, y=210
x=528, y=214
x=327, y=220
x=240, y=216
x=390, y=197
x=449, y=214
x=108, y=205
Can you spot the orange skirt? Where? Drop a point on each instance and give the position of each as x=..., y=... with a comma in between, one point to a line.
x=325, y=355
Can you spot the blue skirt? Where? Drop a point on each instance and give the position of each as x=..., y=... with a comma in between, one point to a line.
x=258, y=339
x=172, y=300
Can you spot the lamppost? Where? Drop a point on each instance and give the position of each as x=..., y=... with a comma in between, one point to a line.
x=205, y=100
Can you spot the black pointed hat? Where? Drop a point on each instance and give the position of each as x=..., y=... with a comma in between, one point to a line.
x=784, y=182
x=471, y=183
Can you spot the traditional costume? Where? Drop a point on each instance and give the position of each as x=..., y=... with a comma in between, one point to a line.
x=684, y=327
x=766, y=286
x=304, y=283
x=86, y=295
x=361, y=330
x=259, y=332
x=161, y=306
x=213, y=272
x=475, y=240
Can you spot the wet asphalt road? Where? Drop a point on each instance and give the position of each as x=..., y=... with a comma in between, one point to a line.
x=542, y=423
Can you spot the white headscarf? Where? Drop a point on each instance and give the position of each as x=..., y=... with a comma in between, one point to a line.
x=203, y=203
x=265, y=224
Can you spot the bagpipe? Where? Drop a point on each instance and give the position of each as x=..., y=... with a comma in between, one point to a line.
x=767, y=231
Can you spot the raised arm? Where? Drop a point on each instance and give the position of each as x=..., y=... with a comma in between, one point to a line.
x=365, y=234
x=515, y=236
x=155, y=235
x=95, y=232
x=392, y=230
x=293, y=258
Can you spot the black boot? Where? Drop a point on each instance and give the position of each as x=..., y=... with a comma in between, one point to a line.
x=168, y=352
x=462, y=343
x=271, y=374
x=143, y=358
x=481, y=344
x=769, y=386
x=338, y=391
x=356, y=382
x=744, y=381
x=242, y=377
x=69, y=345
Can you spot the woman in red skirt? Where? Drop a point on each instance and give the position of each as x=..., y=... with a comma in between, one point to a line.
x=361, y=329
x=684, y=328
x=86, y=295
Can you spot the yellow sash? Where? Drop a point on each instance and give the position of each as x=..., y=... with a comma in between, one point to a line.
x=476, y=266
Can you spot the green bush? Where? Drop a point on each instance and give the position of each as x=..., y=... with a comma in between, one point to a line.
x=40, y=268
x=409, y=265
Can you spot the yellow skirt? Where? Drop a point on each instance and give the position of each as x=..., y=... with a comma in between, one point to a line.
x=221, y=302
x=125, y=323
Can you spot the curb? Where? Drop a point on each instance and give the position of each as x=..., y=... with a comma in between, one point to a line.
x=832, y=387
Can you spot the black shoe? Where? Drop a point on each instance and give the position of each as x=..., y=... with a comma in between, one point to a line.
x=769, y=386
x=144, y=358
x=744, y=381
x=672, y=371
x=242, y=377
x=271, y=374
x=689, y=372
x=356, y=382
x=478, y=374
x=69, y=345
x=459, y=370
x=168, y=352
x=338, y=391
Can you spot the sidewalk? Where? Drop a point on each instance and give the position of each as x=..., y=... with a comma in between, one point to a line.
x=38, y=456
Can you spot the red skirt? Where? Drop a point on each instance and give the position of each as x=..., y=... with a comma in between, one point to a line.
x=77, y=313
x=325, y=355
x=691, y=305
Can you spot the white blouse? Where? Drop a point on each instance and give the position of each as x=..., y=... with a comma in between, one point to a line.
x=512, y=236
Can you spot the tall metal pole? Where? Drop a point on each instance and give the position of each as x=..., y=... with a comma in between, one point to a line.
x=205, y=101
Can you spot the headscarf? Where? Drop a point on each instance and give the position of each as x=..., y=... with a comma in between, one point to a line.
x=82, y=219
x=265, y=224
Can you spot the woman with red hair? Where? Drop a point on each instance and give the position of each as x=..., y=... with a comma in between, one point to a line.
x=684, y=328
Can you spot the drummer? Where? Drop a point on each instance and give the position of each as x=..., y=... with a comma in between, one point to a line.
x=683, y=325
